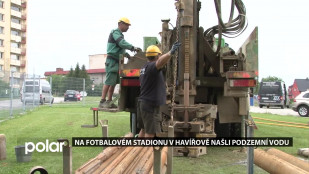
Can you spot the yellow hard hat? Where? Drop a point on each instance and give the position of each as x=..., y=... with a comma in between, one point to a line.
x=152, y=50
x=125, y=20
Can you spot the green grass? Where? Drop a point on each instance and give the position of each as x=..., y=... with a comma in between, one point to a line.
x=300, y=135
x=52, y=123
x=65, y=120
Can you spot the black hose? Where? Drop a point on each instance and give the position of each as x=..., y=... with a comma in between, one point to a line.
x=234, y=27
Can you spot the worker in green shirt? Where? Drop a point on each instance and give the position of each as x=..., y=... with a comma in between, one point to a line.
x=116, y=46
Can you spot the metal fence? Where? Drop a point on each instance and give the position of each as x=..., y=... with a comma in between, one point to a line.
x=12, y=92
x=20, y=93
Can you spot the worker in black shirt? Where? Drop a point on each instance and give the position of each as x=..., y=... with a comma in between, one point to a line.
x=153, y=92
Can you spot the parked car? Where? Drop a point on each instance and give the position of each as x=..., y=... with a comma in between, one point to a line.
x=37, y=91
x=71, y=95
x=301, y=104
x=273, y=94
x=83, y=93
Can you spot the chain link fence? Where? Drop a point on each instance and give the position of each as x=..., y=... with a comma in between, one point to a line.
x=75, y=91
x=20, y=93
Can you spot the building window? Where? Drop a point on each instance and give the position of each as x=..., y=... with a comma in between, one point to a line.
x=1, y=4
x=1, y=30
x=15, y=8
x=1, y=67
x=17, y=21
x=15, y=33
x=1, y=42
x=14, y=69
x=1, y=17
x=15, y=45
x=1, y=55
x=14, y=57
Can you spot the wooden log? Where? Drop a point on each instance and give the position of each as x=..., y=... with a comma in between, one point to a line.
x=91, y=167
x=289, y=158
x=108, y=161
x=139, y=161
x=106, y=154
x=103, y=156
x=164, y=169
x=275, y=165
x=2, y=147
x=116, y=161
x=164, y=157
x=149, y=163
x=303, y=152
x=126, y=162
x=79, y=170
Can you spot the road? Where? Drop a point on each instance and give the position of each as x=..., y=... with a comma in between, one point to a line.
x=273, y=110
x=5, y=104
x=58, y=99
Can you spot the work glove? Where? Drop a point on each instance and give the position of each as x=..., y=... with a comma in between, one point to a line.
x=175, y=47
x=127, y=55
x=135, y=49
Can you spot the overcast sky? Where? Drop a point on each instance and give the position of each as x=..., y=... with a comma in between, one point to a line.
x=63, y=32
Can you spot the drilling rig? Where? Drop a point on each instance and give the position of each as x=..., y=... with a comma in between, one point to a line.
x=207, y=82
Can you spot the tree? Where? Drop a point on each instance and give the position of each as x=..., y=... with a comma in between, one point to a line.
x=57, y=84
x=4, y=87
x=73, y=80
x=83, y=73
x=71, y=73
x=271, y=79
x=77, y=71
x=267, y=79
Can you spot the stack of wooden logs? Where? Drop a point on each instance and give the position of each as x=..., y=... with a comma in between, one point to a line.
x=131, y=159
x=275, y=161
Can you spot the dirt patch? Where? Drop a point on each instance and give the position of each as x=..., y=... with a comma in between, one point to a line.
x=70, y=123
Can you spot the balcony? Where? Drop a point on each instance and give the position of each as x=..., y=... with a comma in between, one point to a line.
x=24, y=17
x=23, y=40
x=16, y=38
x=16, y=2
x=24, y=5
x=23, y=64
x=15, y=26
x=16, y=50
x=24, y=28
x=16, y=14
x=15, y=62
x=23, y=52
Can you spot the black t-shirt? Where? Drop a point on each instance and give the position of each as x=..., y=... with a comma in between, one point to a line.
x=152, y=84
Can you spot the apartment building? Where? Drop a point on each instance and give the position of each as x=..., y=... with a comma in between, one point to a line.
x=13, y=32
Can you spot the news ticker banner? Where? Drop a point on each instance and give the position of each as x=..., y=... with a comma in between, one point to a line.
x=116, y=141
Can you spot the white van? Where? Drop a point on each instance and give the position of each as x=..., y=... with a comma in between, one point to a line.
x=37, y=91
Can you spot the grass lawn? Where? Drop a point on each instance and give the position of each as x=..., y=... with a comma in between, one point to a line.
x=300, y=135
x=52, y=123
x=64, y=121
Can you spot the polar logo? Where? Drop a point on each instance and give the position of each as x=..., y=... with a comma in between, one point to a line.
x=43, y=147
